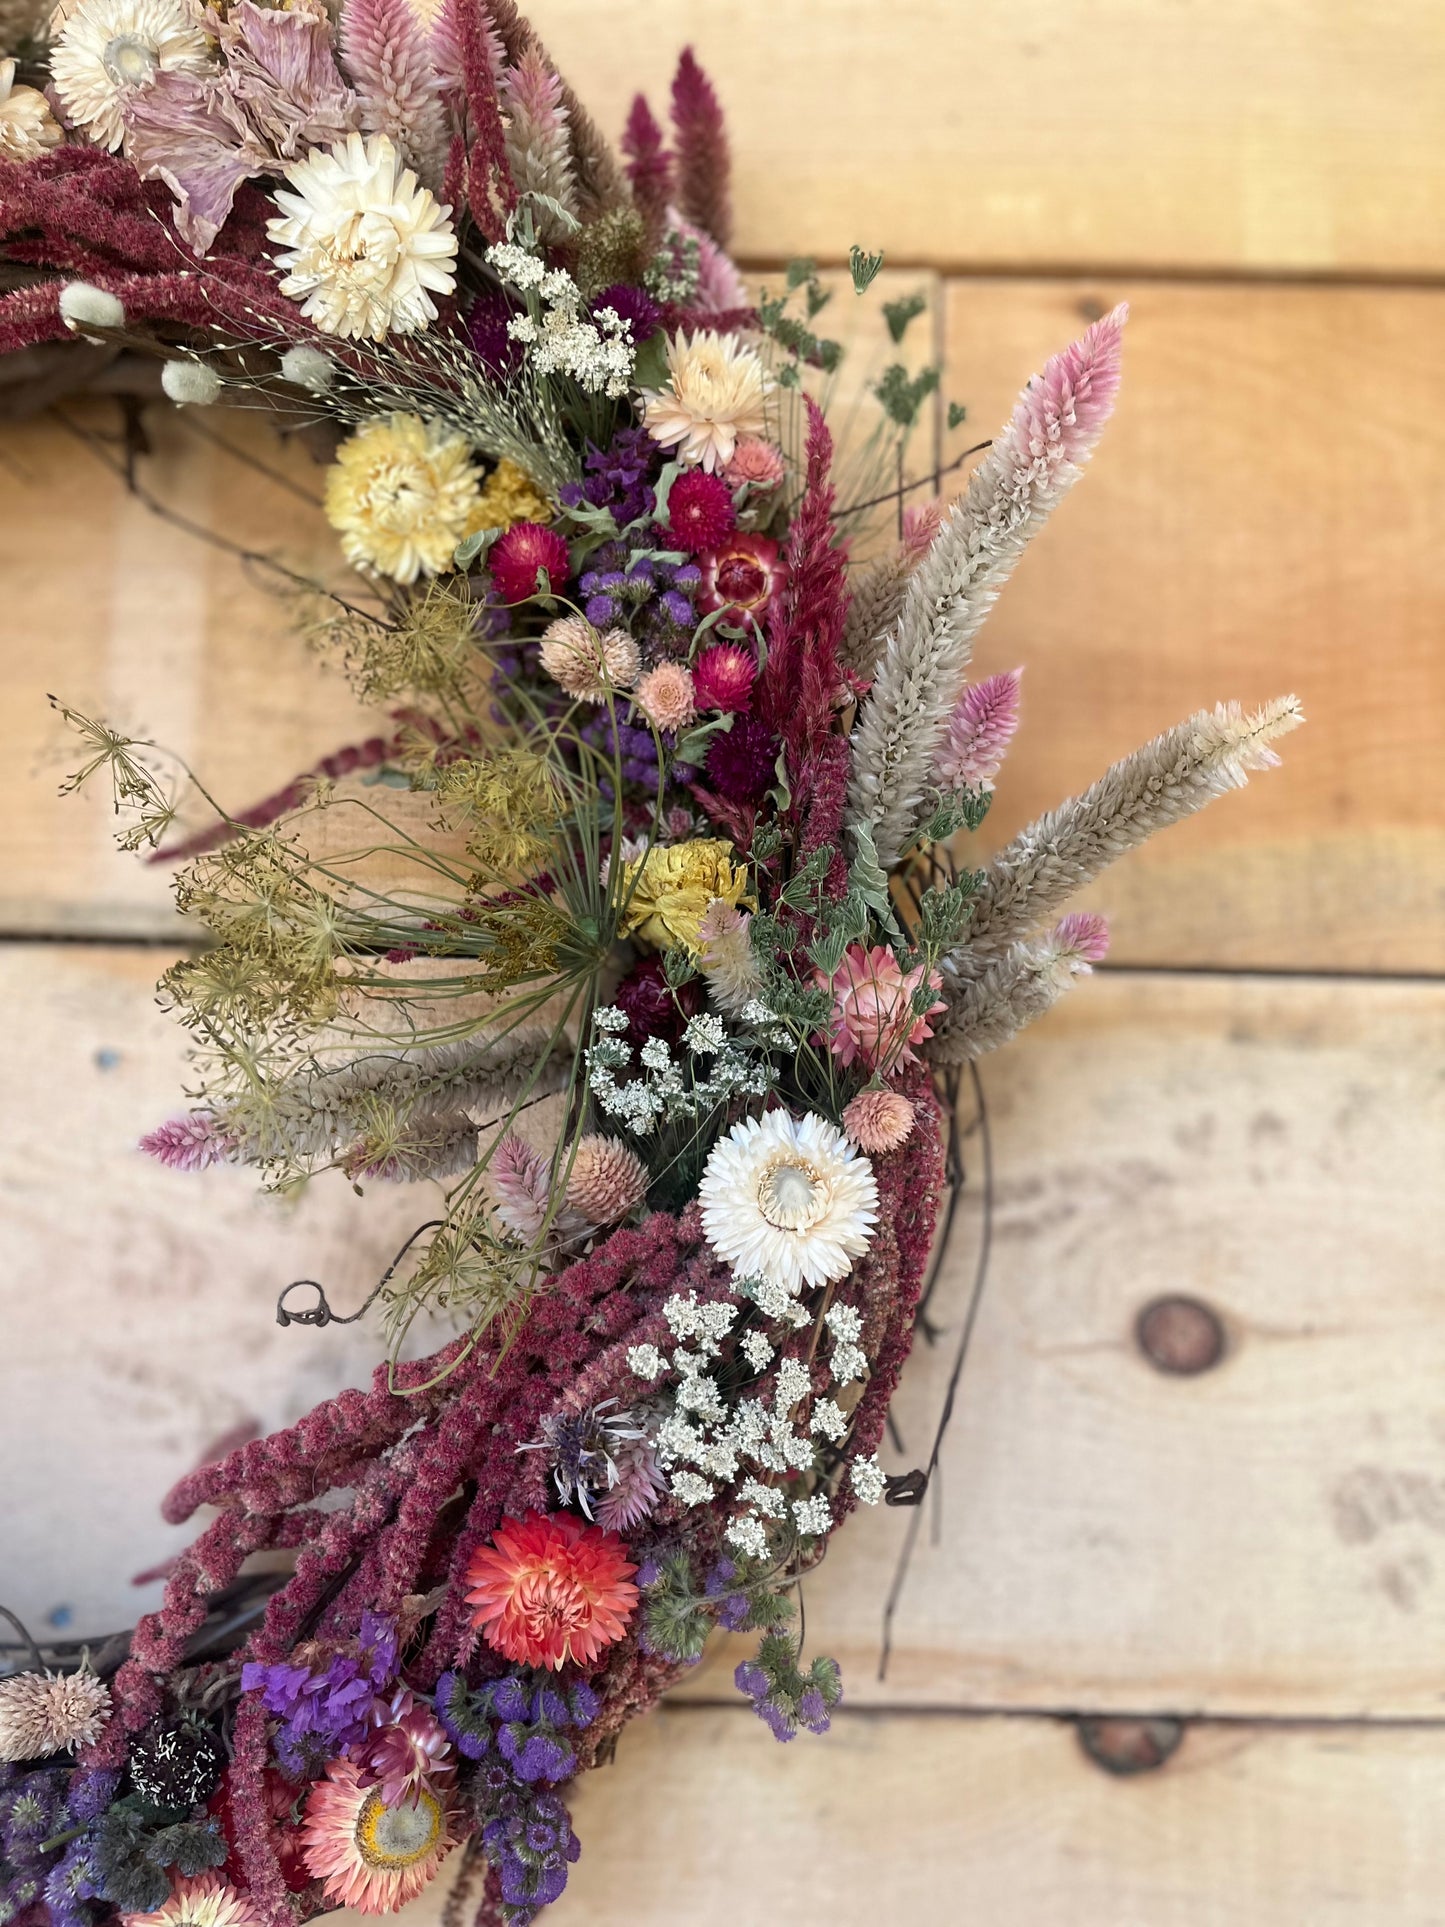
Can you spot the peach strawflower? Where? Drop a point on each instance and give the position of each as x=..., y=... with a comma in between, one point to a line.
x=715, y=395
x=369, y=1855
x=754, y=463
x=206, y=1900
x=550, y=1589
x=665, y=696
x=873, y=1020
x=878, y=1121
x=586, y=663
x=607, y=1180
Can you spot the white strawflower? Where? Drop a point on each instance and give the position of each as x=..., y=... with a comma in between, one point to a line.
x=190, y=383
x=788, y=1199
x=27, y=126
x=43, y=1713
x=106, y=49
x=83, y=305
x=308, y=368
x=368, y=246
x=715, y=393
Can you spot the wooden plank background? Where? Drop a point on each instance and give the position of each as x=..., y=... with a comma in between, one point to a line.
x=1247, y=1105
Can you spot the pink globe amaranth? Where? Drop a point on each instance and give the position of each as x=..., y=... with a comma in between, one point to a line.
x=723, y=678
x=742, y=576
x=518, y=555
x=873, y=1021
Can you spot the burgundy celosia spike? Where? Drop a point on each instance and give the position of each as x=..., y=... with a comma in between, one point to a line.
x=701, y=145
x=649, y=166
x=799, y=686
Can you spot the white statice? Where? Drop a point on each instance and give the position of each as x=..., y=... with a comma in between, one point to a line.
x=777, y=1302
x=646, y=1362
x=28, y=129
x=365, y=246
x=793, y=1382
x=610, y=1018
x=788, y=1198
x=849, y=1361
x=756, y=1349
x=107, y=50
x=829, y=1419
x=813, y=1516
x=867, y=1479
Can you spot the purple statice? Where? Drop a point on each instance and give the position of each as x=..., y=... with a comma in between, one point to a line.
x=618, y=478
x=91, y=1791
x=733, y=1604
x=631, y=748
x=785, y=1698
x=324, y=1710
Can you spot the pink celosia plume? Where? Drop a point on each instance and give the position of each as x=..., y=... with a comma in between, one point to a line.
x=1080, y=940
x=190, y=1143
x=521, y=1180
x=399, y=91
x=920, y=524
x=979, y=732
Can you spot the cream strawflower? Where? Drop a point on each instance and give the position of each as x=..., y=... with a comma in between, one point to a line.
x=715, y=393
x=401, y=492
x=203, y=1900
x=108, y=48
x=368, y=247
x=27, y=126
x=788, y=1199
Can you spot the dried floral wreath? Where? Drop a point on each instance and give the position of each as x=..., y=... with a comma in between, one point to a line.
x=642, y=934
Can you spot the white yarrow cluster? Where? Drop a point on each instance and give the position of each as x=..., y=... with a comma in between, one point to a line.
x=560, y=340
x=669, y=1090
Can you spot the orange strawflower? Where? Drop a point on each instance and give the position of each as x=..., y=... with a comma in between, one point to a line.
x=549, y=1589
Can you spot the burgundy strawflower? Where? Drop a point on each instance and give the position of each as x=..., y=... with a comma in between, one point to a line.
x=723, y=677
x=742, y=765
x=700, y=512
x=743, y=575
x=517, y=557
x=652, y=1007
x=635, y=306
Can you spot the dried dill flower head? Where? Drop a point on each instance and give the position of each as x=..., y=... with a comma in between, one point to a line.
x=611, y=248
x=511, y=798
x=428, y=648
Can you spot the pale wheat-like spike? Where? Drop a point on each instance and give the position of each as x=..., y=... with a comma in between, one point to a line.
x=539, y=149
x=321, y=1113
x=1162, y=783
x=876, y=590
x=385, y=53
x=440, y=1144
x=1026, y=473
x=983, y=1012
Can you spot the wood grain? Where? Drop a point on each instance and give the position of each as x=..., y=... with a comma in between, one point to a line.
x=1259, y=517
x=938, y=1820
x=1295, y=136
x=1262, y=1539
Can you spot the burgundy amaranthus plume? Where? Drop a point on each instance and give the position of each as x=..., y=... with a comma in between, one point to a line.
x=703, y=160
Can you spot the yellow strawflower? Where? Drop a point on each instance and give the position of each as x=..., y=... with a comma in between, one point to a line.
x=401, y=494
x=508, y=495
x=672, y=886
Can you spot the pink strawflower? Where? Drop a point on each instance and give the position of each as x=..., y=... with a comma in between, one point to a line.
x=607, y=1179
x=550, y=1589
x=979, y=731
x=755, y=464
x=723, y=677
x=743, y=576
x=518, y=555
x=878, y=1121
x=409, y=1753
x=665, y=696
x=639, y=1486
x=1079, y=941
x=874, y=1021
x=190, y=1143
x=700, y=512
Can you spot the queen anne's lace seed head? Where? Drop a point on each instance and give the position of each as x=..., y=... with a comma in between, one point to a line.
x=867, y=1479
